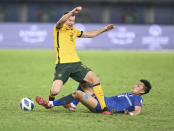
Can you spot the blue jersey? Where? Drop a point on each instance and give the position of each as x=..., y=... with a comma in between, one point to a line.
x=119, y=103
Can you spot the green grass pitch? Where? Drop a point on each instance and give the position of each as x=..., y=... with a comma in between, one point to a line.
x=27, y=73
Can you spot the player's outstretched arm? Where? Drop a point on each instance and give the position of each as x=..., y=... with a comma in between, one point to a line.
x=137, y=111
x=93, y=33
x=65, y=17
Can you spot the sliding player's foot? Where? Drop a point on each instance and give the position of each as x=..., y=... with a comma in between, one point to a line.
x=43, y=102
x=106, y=111
x=70, y=107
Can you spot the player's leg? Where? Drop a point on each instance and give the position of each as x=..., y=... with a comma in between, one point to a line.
x=56, y=88
x=86, y=99
x=60, y=102
x=61, y=75
x=72, y=106
x=78, y=95
x=85, y=87
x=84, y=74
x=94, y=80
x=76, y=101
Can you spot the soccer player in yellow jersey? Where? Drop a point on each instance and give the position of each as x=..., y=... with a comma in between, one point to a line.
x=68, y=63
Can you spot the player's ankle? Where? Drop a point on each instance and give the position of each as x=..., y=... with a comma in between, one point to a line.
x=50, y=103
x=51, y=98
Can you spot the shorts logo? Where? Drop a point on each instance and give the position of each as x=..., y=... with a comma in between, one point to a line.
x=59, y=75
x=141, y=101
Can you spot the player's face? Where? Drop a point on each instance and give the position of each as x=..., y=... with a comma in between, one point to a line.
x=138, y=89
x=70, y=22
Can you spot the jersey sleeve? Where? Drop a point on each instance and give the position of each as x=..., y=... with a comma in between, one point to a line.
x=55, y=28
x=138, y=101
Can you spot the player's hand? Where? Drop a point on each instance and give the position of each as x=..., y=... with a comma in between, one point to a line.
x=76, y=10
x=109, y=27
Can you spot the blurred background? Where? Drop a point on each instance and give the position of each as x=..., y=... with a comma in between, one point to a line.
x=95, y=11
x=138, y=14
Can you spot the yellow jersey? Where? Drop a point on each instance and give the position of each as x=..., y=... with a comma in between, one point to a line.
x=64, y=43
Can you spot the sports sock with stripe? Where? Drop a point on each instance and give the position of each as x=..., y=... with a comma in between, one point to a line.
x=100, y=95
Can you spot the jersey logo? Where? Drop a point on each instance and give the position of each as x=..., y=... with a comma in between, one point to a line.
x=59, y=75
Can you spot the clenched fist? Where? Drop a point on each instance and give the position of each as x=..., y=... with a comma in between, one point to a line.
x=109, y=27
x=76, y=10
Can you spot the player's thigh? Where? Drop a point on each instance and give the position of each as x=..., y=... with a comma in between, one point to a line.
x=91, y=78
x=79, y=72
x=86, y=99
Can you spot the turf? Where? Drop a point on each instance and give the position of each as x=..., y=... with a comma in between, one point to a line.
x=27, y=73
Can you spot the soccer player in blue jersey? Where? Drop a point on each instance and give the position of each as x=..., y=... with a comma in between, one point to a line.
x=127, y=103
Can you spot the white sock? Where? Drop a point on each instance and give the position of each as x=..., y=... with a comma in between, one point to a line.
x=50, y=103
x=73, y=105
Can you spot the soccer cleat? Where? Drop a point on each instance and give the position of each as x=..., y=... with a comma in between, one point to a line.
x=43, y=102
x=70, y=107
x=106, y=111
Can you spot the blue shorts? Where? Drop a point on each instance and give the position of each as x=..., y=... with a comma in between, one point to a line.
x=98, y=107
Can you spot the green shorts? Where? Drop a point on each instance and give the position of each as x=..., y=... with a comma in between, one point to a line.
x=76, y=71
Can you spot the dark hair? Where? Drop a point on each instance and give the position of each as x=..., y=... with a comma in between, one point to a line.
x=67, y=13
x=147, y=85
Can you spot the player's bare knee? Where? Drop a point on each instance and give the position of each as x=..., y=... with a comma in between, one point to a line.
x=77, y=94
x=95, y=81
